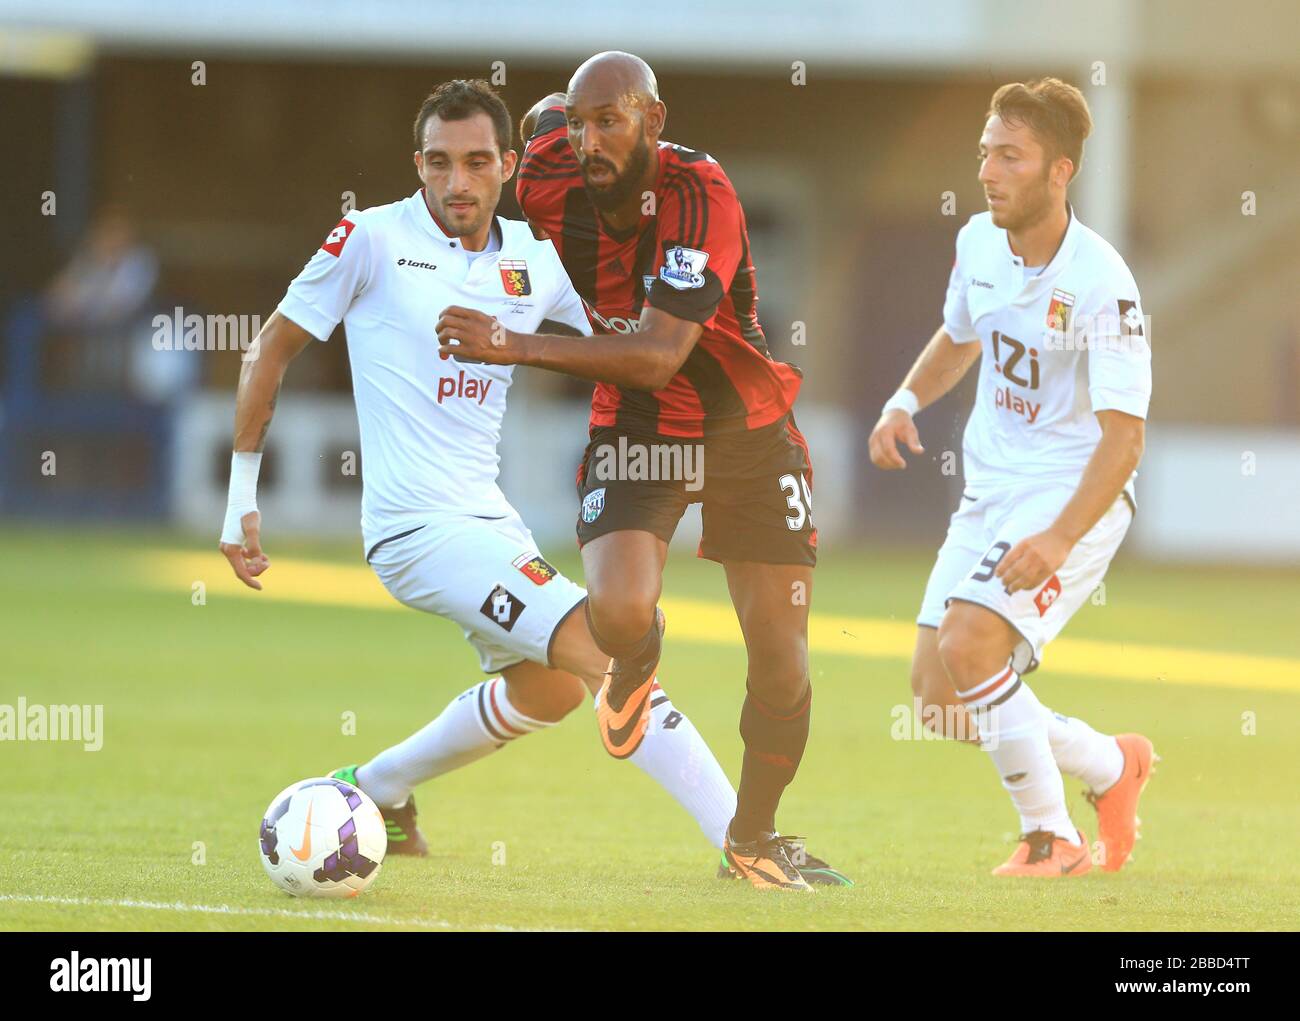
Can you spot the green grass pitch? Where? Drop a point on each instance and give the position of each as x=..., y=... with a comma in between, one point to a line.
x=211, y=709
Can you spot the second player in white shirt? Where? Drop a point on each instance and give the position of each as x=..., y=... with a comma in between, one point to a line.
x=1052, y=314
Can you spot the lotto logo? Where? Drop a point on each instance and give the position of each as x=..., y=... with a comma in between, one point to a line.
x=502, y=607
x=1047, y=595
x=1130, y=320
x=337, y=238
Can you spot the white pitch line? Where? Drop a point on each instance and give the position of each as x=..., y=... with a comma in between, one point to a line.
x=226, y=909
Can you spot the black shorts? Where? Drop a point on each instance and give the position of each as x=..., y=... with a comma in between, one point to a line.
x=755, y=489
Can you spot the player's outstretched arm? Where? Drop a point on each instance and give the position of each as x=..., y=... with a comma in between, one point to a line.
x=280, y=341
x=939, y=367
x=1034, y=559
x=645, y=360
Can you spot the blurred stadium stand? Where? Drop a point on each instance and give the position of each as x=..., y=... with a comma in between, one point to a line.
x=235, y=181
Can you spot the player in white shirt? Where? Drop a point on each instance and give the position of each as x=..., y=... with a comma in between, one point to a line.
x=1050, y=453
x=437, y=529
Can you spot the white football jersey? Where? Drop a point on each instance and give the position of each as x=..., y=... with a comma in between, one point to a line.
x=1057, y=348
x=429, y=427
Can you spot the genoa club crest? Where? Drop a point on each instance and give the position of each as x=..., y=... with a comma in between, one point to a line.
x=1058, y=310
x=535, y=569
x=514, y=275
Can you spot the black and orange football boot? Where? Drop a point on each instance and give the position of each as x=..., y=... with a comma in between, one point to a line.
x=623, y=703
x=814, y=870
x=765, y=862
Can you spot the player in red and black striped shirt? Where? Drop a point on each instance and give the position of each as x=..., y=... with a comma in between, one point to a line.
x=690, y=258
x=653, y=238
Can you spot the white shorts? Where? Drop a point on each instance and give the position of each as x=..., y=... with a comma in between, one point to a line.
x=488, y=576
x=984, y=529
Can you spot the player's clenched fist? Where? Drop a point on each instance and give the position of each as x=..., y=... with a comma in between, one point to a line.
x=895, y=427
x=472, y=335
x=246, y=558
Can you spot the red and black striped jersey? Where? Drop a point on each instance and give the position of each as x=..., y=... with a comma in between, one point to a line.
x=688, y=256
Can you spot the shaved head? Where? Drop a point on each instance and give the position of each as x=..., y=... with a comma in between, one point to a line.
x=616, y=77
x=615, y=117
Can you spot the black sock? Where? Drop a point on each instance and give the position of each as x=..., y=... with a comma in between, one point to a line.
x=774, y=743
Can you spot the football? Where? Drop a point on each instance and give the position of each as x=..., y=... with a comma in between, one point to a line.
x=322, y=838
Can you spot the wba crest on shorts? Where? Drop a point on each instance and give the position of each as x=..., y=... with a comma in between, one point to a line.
x=592, y=504
x=514, y=275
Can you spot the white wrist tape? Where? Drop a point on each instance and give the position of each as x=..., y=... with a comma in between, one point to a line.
x=244, y=467
x=903, y=400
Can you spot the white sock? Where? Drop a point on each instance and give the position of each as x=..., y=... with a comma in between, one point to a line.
x=676, y=757
x=1080, y=751
x=1013, y=730
x=476, y=723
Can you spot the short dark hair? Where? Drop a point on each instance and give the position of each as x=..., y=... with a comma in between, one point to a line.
x=461, y=99
x=1055, y=111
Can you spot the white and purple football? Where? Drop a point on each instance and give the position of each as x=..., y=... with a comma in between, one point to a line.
x=322, y=838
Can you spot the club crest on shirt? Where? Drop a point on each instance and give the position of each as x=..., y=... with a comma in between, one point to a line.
x=514, y=276
x=592, y=504
x=1058, y=310
x=535, y=569
x=683, y=268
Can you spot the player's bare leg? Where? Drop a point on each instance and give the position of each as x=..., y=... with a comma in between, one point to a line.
x=624, y=575
x=1115, y=776
x=542, y=693
x=975, y=647
x=941, y=710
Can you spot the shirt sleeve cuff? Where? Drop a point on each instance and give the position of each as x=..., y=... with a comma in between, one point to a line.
x=697, y=305
x=960, y=336
x=1131, y=402
x=318, y=325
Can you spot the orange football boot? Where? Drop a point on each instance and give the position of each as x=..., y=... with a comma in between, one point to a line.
x=1047, y=856
x=623, y=709
x=1117, y=818
x=765, y=862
